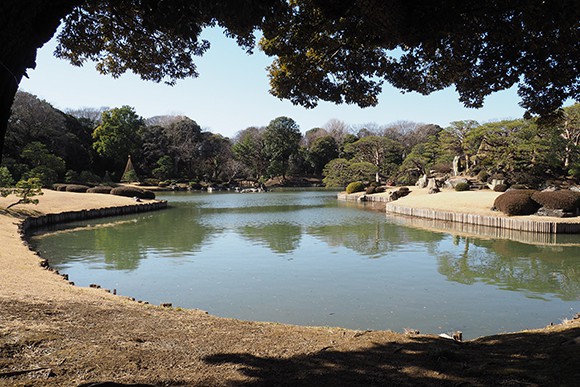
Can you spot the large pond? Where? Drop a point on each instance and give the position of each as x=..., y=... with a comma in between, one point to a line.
x=307, y=258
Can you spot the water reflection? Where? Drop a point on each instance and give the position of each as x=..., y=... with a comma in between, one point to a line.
x=535, y=270
x=343, y=265
x=280, y=238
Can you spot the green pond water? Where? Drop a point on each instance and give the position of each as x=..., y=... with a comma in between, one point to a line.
x=306, y=258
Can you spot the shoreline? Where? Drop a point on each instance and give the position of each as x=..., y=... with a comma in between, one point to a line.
x=85, y=335
x=467, y=208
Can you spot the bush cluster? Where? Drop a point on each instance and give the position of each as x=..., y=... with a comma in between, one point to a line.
x=133, y=192
x=462, y=187
x=59, y=187
x=516, y=202
x=483, y=176
x=355, y=186
x=102, y=189
x=76, y=188
x=555, y=200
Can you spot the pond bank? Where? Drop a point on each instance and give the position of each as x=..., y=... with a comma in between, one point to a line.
x=54, y=334
x=469, y=207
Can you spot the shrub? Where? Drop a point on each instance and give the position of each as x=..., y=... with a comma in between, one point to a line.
x=516, y=202
x=102, y=189
x=355, y=186
x=555, y=200
x=76, y=188
x=483, y=176
x=59, y=187
x=150, y=182
x=500, y=188
x=371, y=189
x=380, y=189
x=133, y=192
x=89, y=177
x=462, y=187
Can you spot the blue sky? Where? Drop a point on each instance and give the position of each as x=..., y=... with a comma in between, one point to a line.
x=231, y=94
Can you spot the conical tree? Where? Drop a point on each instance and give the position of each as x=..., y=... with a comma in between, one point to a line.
x=130, y=175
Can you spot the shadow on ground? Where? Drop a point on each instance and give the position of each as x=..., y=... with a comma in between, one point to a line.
x=527, y=358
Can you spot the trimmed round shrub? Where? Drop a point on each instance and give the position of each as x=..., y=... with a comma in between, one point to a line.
x=462, y=187
x=380, y=189
x=371, y=189
x=102, y=189
x=148, y=195
x=516, y=202
x=133, y=192
x=500, y=188
x=355, y=186
x=59, y=187
x=558, y=200
x=77, y=188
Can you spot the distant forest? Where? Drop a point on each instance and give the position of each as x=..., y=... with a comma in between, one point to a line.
x=93, y=144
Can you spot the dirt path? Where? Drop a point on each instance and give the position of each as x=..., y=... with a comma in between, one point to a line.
x=55, y=334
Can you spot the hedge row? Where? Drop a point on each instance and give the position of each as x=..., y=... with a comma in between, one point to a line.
x=131, y=192
x=527, y=202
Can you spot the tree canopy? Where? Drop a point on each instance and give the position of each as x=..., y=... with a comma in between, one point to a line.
x=323, y=49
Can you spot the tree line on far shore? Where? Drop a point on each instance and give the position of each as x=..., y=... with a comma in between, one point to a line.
x=92, y=145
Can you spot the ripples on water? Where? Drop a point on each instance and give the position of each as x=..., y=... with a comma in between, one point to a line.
x=305, y=258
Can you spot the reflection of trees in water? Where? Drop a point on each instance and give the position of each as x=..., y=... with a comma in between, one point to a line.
x=373, y=240
x=281, y=238
x=171, y=232
x=513, y=266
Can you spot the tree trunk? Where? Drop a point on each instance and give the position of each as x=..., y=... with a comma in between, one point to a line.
x=24, y=27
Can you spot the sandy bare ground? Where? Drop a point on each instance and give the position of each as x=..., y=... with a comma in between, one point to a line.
x=52, y=333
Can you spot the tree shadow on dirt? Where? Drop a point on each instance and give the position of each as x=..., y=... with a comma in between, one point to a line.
x=530, y=359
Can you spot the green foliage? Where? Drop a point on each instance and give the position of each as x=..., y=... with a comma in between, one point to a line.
x=164, y=168
x=71, y=176
x=462, y=187
x=337, y=173
x=483, y=176
x=362, y=171
x=322, y=150
x=89, y=177
x=382, y=152
x=355, y=186
x=26, y=190
x=6, y=179
x=249, y=149
x=516, y=202
x=281, y=139
x=350, y=52
x=117, y=135
x=130, y=176
x=44, y=174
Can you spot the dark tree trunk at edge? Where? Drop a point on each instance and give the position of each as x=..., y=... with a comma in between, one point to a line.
x=24, y=27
